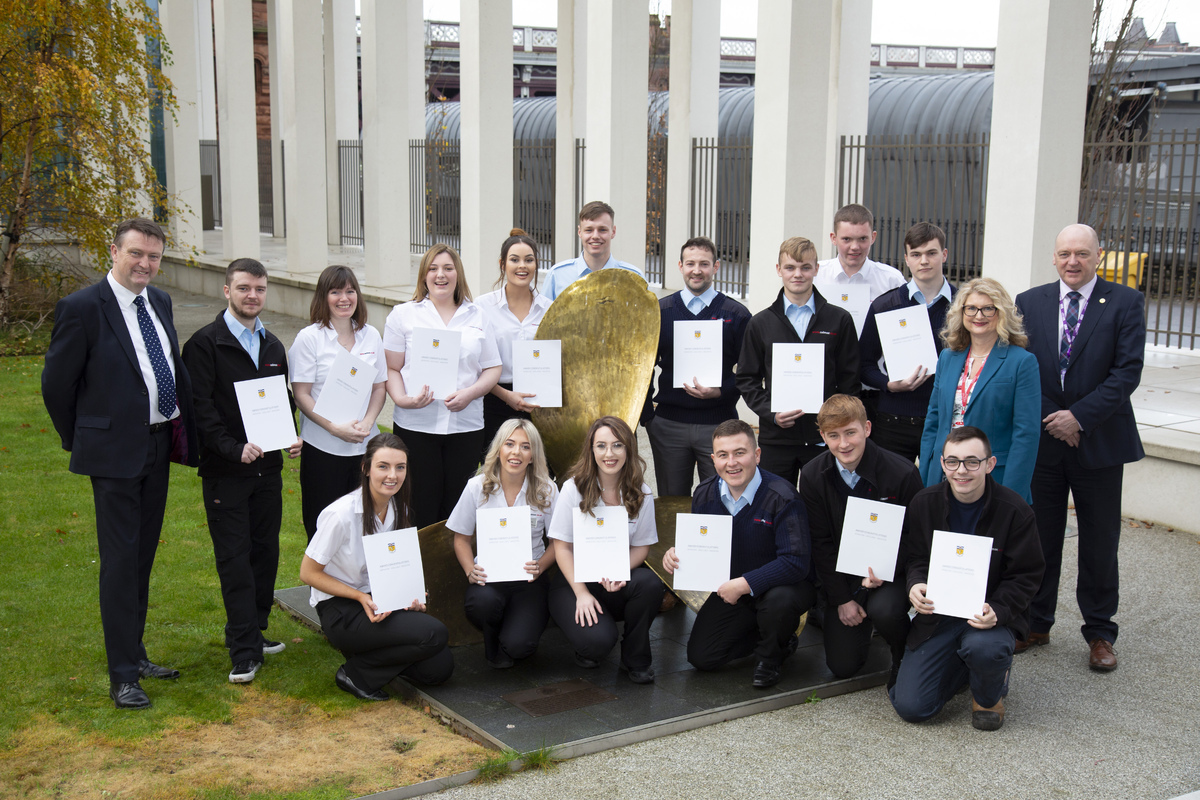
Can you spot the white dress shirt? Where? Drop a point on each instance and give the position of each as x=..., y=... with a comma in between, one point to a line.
x=310, y=359
x=564, y=273
x=476, y=353
x=129, y=313
x=462, y=518
x=337, y=544
x=878, y=276
x=506, y=328
x=643, y=530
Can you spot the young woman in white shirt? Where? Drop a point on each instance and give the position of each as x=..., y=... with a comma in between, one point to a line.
x=445, y=436
x=378, y=646
x=513, y=312
x=331, y=458
x=511, y=614
x=609, y=472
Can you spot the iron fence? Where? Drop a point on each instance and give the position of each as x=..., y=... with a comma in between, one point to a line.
x=533, y=193
x=720, y=206
x=266, y=190
x=435, y=187
x=656, y=208
x=350, y=191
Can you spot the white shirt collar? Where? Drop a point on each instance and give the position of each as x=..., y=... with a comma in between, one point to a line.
x=1085, y=290
x=914, y=292
x=123, y=295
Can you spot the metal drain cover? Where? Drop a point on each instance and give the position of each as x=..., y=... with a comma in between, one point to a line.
x=556, y=697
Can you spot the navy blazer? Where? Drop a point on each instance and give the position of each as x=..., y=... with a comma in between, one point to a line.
x=1105, y=369
x=93, y=387
x=1003, y=404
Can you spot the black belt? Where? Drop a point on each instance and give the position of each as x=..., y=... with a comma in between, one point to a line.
x=883, y=416
x=158, y=427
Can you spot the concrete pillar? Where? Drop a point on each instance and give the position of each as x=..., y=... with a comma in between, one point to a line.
x=618, y=66
x=1038, y=105
x=275, y=88
x=182, y=135
x=301, y=36
x=206, y=74
x=795, y=121
x=236, y=121
x=385, y=121
x=853, y=87
x=341, y=92
x=485, y=36
x=417, y=92
x=566, y=84
x=695, y=79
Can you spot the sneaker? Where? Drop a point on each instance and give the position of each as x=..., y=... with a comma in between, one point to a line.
x=244, y=671
x=272, y=648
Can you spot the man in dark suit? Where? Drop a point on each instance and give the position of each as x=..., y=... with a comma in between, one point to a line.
x=1089, y=336
x=120, y=399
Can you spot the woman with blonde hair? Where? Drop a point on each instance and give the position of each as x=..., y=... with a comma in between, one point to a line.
x=511, y=614
x=986, y=378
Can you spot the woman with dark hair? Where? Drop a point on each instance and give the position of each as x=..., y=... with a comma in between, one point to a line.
x=445, y=435
x=609, y=472
x=511, y=614
x=378, y=646
x=331, y=458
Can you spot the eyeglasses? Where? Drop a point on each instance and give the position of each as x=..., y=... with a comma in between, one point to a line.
x=952, y=463
x=987, y=311
x=603, y=447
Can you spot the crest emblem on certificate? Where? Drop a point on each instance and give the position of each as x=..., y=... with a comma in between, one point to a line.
x=958, y=551
x=874, y=517
x=797, y=356
x=391, y=547
x=262, y=392
x=504, y=522
x=696, y=334
x=437, y=342
x=537, y=353
x=600, y=522
x=704, y=530
x=845, y=297
x=903, y=323
x=353, y=371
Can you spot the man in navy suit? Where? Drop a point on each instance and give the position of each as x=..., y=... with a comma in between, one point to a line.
x=1089, y=336
x=120, y=399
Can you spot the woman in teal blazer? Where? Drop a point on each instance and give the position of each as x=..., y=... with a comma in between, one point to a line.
x=986, y=378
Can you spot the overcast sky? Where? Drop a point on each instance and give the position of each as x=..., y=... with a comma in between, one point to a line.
x=931, y=22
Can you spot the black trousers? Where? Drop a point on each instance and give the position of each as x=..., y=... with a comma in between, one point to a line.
x=129, y=517
x=439, y=466
x=324, y=478
x=786, y=460
x=1097, y=494
x=244, y=514
x=846, y=647
x=899, y=435
x=495, y=413
x=680, y=449
x=512, y=615
x=760, y=625
x=406, y=644
x=636, y=604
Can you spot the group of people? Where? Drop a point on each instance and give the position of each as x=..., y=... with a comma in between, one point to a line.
x=127, y=399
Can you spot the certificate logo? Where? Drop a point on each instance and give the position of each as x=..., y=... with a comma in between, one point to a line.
x=600, y=522
x=874, y=517
x=504, y=522
x=958, y=551
x=391, y=547
x=845, y=297
x=797, y=356
x=353, y=371
x=903, y=323
x=704, y=530
x=437, y=342
x=262, y=392
x=537, y=353
x=696, y=334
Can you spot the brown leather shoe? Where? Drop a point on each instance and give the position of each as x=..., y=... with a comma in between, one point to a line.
x=1034, y=640
x=1102, y=658
x=987, y=719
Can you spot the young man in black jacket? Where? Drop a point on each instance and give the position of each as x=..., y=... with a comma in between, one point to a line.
x=789, y=439
x=945, y=653
x=242, y=484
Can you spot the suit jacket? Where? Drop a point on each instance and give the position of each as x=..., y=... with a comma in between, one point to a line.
x=93, y=388
x=1105, y=368
x=1004, y=405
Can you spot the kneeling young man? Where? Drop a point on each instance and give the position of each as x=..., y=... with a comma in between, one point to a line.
x=757, y=611
x=854, y=466
x=945, y=653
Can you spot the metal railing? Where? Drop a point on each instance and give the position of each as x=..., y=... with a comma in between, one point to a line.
x=656, y=209
x=435, y=193
x=266, y=191
x=350, y=191
x=720, y=206
x=533, y=194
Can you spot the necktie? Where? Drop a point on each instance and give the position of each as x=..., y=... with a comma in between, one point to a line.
x=158, y=361
x=1070, y=328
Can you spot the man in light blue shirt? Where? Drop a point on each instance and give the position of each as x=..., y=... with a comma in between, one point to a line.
x=596, y=232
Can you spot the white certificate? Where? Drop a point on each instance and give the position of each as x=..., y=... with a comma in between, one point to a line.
x=347, y=389
x=958, y=573
x=797, y=377
x=266, y=412
x=503, y=542
x=394, y=569
x=434, y=361
x=870, y=538
x=855, y=298
x=907, y=340
x=698, y=352
x=704, y=545
x=537, y=369
x=601, y=544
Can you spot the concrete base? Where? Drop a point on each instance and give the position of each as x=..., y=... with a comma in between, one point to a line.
x=1161, y=488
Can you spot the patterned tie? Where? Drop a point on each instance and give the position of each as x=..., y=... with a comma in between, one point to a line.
x=1070, y=328
x=162, y=373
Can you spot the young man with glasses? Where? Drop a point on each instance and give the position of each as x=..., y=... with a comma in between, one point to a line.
x=946, y=653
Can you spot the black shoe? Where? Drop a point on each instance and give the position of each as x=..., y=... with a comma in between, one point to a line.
x=148, y=669
x=639, y=675
x=586, y=663
x=792, y=644
x=271, y=648
x=129, y=695
x=501, y=661
x=244, y=671
x=346, y=685
x=766, y=675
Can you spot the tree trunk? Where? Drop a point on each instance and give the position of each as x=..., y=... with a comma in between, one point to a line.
x=16, y=227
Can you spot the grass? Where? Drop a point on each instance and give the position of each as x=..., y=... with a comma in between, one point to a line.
x=497, y=766
x=57, y=721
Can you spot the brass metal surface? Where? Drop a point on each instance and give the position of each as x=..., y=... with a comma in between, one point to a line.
x=608, y=322
x=665, y=509
x=446, y=584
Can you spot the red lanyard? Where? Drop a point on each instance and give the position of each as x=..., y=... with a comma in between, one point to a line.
x=965, y=386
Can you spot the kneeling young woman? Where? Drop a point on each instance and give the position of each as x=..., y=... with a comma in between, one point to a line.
x=378, y=646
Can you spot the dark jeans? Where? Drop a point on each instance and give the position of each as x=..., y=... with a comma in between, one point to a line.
x=760, y=625
x=899, y=435
x=786, y=460
x=323, y=479
x=495, y=413
x=954, y=655
x=408, y=644
x=511, y=615
x=846, y=647
x=439, y=466
x=636, y=604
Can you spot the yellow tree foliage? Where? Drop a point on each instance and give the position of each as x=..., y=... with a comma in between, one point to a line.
x=77, y=81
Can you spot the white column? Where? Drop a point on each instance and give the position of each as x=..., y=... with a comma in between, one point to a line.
x=795, y=122
x=618, y=66
x=417, y=91
x=236, y=120
x=385, y=128
x=485, y=37
x=206, y=76
x=182, y=135
x=566, y=86
x=1038, y=106
x=695, y=79
x=303, y=129
x=341, y=92
x=853, y=84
